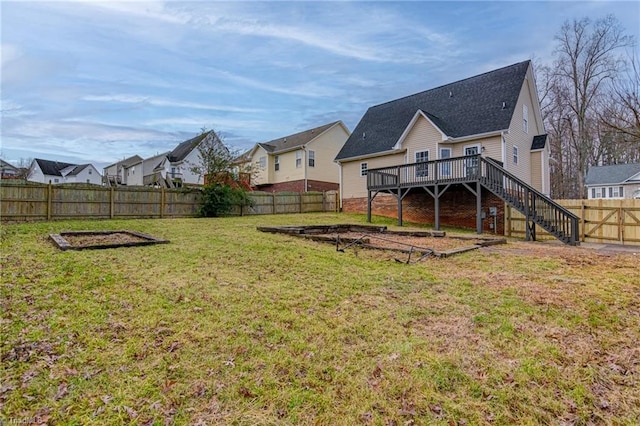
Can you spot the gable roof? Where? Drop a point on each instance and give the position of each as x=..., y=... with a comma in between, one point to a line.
x=134, y=159
x=180, y=152
x=296, y=140
x=616, y=173
x=52, y=168
x=481, y=104
x=77, y=169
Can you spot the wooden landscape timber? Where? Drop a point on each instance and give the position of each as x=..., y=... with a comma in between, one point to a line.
x=92, y=240
x=345, y=236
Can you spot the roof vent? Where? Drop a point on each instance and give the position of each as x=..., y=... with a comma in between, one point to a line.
x=504, y=105
x=285, y=140
x=364, y=135
x=450, y=94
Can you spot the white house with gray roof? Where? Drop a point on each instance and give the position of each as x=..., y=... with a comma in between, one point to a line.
x=616, y=181
x=57, y=172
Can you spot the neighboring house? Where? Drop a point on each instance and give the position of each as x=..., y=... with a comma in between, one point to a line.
x=422, y=139
x=154, y=170
x=615, y=181
x=181, y=162
x=300, y=162
x=8, y=170
x=46, y=171
x=121, y=173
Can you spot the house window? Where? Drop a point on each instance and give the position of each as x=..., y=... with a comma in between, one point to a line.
x=422, y=170
x=277, y=163
x=615, y=192
x=525, y=119
x=298, y=159
x=89, y=171
x=364, y=167
x=173, y=172
x=56, y=180
x=598, y=192
x=263, y=162
x=312, y=158
x=515, y=155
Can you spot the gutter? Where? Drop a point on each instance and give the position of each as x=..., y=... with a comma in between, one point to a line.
x=372, y=155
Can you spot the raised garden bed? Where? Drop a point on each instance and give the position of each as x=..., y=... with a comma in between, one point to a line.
x=91, y=240
x=419, y=244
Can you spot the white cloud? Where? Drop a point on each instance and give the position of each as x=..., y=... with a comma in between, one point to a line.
x=148, y=100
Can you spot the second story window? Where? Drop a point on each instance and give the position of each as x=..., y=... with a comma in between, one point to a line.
x=277, y=163
x=263, y=162
x=298, y=159
x=525, y=119
x=364, y=167
x=515, y=155
x=312, y=158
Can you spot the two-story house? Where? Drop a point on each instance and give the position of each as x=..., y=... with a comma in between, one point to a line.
x=428, y=155
x=122, y=172
x=299, y=162
x=56, y=172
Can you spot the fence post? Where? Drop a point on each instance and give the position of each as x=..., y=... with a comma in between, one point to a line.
x=324, y=201
x=112, y=203
x=273, y=201
x=49, y=200
x=337, y=195
x=582, y=222
x=300, y=202
x=163, y=201
x=620, y=225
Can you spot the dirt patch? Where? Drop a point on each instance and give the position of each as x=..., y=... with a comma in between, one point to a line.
x=422, y=244
x=81, y=240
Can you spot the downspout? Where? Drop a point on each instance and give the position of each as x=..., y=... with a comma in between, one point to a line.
x=503, y=143
x=304, y=159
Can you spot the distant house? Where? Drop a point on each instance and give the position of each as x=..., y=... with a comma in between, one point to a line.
x=8, y=170
x=123, y=172
x=185, y=165
x=56, y=172
x=299, y=162
x=615, y=181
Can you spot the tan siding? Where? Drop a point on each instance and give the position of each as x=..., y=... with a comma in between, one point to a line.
x=536, y=170
x=492, y=147
x=423, y=136
x=260, y=176
x=517, y=136
x=326, y=147
x=355, y=185
x=288, y=170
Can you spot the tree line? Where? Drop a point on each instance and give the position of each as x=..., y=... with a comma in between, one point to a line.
x=590, y=101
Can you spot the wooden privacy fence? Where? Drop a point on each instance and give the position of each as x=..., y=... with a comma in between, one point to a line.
x=601, y=221
x=21, y=202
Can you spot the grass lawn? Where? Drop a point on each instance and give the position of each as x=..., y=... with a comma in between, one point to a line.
x=228, y=325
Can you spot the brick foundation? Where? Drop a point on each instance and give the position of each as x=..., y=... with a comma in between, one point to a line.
x=298, y=186
x=457, y=208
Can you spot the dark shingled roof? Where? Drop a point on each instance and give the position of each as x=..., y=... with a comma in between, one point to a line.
x=616, y=173
x=52, y=168
x=464, y=108
x=134, y=159
x=539, y=142
x=296, y=140
x=77, y=169
x=181, y=151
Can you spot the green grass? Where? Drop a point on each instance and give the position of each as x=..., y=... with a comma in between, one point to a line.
x=227, y=325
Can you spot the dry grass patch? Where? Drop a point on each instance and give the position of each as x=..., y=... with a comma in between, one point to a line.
x=227, y=325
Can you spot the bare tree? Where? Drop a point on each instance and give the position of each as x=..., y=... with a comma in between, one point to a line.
x=587, y=63
x=216, y=159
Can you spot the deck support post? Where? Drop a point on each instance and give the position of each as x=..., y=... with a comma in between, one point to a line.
x=527, y=227
x=478, y=207
x=369, y=206
x=400, y=206
x=436, y=207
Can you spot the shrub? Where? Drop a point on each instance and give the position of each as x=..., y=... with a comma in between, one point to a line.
x=219, y=200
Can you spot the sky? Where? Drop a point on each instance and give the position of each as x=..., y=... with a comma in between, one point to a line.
x=96, y=82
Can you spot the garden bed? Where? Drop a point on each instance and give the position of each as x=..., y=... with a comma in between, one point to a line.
x=421, y=243
x=87, y=240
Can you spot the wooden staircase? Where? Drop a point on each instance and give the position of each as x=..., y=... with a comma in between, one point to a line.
x=537, y=208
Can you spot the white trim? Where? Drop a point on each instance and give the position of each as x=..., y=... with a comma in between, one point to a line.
x=477, y=136
x=372, y=155
x=409, y=127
